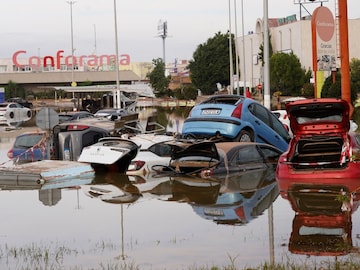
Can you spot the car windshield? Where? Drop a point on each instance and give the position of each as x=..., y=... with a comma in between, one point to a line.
x=28, y=141
x=64, y=117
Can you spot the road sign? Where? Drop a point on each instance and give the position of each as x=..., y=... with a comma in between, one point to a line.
x=47, y=118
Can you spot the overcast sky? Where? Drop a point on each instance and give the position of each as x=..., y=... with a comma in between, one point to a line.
x=42, y=27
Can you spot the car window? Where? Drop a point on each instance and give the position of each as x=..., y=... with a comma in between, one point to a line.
x=244, y=155
x=63, y=118
x=91, y=137
x=28, y=141
x=260, y=112
x=279, y=127
x=269, y=154
x=161, y=149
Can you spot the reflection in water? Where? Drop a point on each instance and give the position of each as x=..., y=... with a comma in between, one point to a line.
x=49, y=193
x=112, y=188
x=322, y=225
x=239, y=208
x=238, y=203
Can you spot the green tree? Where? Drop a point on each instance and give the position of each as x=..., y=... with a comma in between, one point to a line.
x=355, y=74
x=12, y=89
x=261, y=51
x=332, y=88
x=186, y=92
x=158, y=80
x=286, y=74
x=210, y=64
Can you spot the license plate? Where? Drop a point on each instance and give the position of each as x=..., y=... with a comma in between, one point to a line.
x=211, y=112
x=213, y=212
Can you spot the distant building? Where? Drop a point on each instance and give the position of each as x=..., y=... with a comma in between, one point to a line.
x=287, y=35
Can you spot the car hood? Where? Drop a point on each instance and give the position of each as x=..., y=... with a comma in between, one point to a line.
x=318, y=116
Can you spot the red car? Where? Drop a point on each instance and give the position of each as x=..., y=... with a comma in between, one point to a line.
x=322, y=150
x=322, y=225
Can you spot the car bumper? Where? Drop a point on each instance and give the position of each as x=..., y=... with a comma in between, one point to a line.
x=287, y=177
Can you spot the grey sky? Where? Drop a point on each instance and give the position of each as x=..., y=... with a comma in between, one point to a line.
x=42, y=27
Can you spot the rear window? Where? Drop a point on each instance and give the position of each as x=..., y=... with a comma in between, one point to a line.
x=231, y=100
x=28, y=140
x=306, y=120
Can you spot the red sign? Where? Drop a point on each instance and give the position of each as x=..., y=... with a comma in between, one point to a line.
x=56, y=61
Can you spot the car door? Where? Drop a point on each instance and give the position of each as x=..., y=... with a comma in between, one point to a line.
x=264, y=123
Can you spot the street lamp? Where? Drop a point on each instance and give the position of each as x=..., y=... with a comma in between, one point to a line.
x=73, y=83
x=116, y=94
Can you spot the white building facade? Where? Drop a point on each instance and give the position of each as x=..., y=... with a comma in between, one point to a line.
x=287, y=35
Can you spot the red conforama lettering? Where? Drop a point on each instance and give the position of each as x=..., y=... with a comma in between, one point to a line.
x=91, y=60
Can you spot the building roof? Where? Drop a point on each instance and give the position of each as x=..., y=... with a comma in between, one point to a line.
x=55, y=77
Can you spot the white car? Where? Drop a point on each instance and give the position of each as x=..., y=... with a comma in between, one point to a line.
x=111, y=114
x=154, y=154
x=283, y=117
x=13, y=114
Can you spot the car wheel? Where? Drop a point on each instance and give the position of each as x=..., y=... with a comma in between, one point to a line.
x=28, y=114
x=245, y=136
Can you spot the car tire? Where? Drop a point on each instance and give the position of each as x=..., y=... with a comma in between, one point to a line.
x=245, y=136
x=28, y=114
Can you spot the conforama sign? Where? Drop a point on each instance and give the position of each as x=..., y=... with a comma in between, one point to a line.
x=59, y=58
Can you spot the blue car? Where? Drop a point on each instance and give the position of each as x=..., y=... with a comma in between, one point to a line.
x=235, y=118
x=29, y=147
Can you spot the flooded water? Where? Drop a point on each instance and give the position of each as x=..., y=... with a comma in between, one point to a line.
x=168, y=226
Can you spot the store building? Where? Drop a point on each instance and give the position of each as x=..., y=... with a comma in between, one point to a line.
x=287, y=35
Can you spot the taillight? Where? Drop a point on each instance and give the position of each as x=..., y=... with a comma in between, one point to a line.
x=77, y=127
x=240, y=212
x=10, y=154
x=136, y=165
x=237, y=112
x=282, y=159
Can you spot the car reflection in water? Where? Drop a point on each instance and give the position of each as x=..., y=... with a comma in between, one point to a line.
x=322, y=224
x=49, y=192
x=112, y=188
x=238, y=208
x=234, y=200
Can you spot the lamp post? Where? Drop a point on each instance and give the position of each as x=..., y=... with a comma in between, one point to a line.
x=116, y=94
x=266, y=59
x=230, y=55
x=73, y=83
x=243, y=48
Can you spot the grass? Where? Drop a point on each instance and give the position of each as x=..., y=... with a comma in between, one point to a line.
x=53, y=257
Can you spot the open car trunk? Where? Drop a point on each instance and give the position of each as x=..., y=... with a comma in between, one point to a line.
x=189, y=157
x=319, y=152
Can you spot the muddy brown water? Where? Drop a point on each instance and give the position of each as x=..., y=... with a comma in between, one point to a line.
x=163, y=229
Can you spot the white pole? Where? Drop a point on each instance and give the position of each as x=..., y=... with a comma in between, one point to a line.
x=266, y=58
x=72, y=46
x=236, y=53
x=230, y=55
x=116, y=94
x=243, y=49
